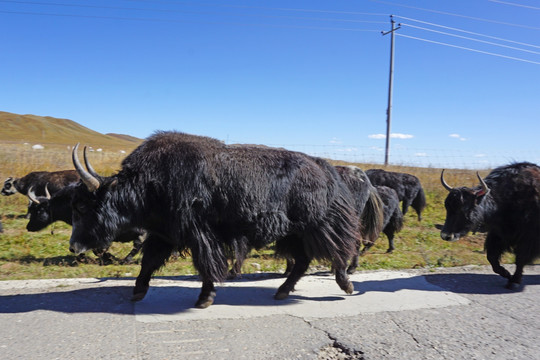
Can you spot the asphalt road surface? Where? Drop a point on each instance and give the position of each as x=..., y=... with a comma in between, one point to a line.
x=456, y=313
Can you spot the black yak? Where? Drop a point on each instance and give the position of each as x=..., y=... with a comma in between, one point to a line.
x=368, y=206
x=37, y=180
x=393, y=217
x=507, y=205
x=44, y=210
x=407, y=186
x=196, y=194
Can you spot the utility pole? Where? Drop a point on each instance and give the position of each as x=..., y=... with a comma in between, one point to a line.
x=390, y=88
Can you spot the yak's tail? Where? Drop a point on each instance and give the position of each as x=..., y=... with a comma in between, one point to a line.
x=419, y=203
x=397, y=220
x=372, y=217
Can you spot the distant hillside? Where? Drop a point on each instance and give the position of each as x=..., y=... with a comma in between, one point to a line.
x=48, y=130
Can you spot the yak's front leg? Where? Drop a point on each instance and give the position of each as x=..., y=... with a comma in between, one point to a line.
x=342, y=279
x=208, y=293
x=155, y=253
x=514, y=282
x=494, y=257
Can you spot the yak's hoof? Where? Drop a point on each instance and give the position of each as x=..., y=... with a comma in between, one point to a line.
x=351, y=270
x=139, y=292
x=281, y=295
x=138, y=296
x=349, y=288
x=513, y=286
x=204, y=303
x=389, y=251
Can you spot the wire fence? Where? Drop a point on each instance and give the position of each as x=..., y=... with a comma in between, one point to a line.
x=21, y=158
x=416, y=157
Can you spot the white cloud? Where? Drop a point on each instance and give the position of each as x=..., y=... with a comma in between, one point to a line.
x=457, y=136
x=352, y=149
x=401, y=136
x=335, y=140
x=392, y=136
x=421, y=154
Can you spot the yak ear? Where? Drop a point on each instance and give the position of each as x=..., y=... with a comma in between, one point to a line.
x=113, y=184
x=480, y=193
x=479, y=196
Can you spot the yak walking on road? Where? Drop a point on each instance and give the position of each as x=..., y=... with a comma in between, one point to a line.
x=196, y=194
x=368, y=205
x=369, y=209
x=507, y=205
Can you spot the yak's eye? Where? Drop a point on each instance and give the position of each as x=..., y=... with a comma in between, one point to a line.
x=81, y=207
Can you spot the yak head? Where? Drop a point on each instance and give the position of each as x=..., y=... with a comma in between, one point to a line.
x=462, y=209
x=94, y=215
x=9, y=187
x=39, y=210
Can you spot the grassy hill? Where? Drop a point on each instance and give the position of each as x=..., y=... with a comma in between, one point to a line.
x=48, y=130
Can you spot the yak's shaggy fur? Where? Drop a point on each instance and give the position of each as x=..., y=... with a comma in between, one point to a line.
x=507, y=207
x=368, y=206
x=196, y=194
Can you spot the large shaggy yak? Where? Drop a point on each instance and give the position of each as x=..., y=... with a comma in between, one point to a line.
x=366, y=202
x=507, y=205
x=196, y=194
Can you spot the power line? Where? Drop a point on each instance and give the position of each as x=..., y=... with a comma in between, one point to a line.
x=189, y=21
x=198, y=5
x=457, y=15
x=472, y=39
x=468, y=32
x=514, y=4
x=196, y=12
x=262, y=8
x=469, y=49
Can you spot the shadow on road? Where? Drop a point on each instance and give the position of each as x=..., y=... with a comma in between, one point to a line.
x=457, y=283
x=115, y=299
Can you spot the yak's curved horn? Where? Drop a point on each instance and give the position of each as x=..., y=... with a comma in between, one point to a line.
x=47, y=193
x=446, y=186
x=483, y=183
x=91, y=182
x=88, y=166
x=32, y=195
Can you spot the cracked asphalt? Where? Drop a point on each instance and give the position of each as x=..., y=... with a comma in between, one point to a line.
x=451, y=313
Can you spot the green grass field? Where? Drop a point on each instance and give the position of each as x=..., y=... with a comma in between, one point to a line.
x=45, y=254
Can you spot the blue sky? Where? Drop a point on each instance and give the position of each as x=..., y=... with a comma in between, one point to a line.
x=306, y=75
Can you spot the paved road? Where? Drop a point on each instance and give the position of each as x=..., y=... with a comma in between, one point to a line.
x=458, y=313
